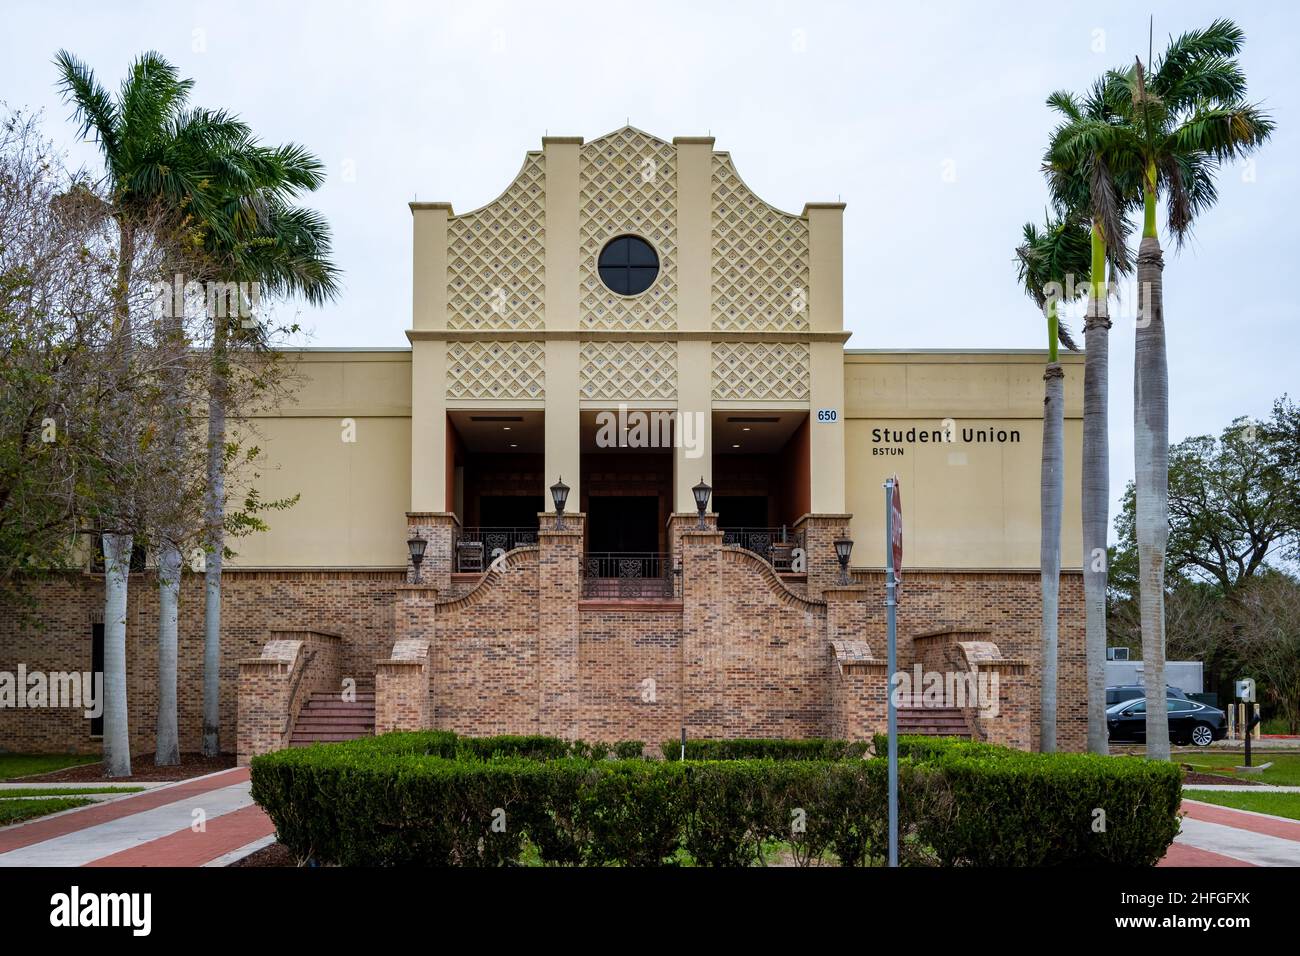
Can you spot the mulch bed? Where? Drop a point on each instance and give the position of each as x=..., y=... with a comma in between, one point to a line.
x=142, y=769
x=1195, y=776
x=277, y=854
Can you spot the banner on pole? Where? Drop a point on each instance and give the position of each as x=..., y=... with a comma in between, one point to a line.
x=896, y=510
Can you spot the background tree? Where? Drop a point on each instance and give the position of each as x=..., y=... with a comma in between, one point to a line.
x=1053, y=265
x=1233, y=521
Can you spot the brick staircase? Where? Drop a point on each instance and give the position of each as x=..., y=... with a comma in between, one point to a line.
x=327, y=718
x=933, y=722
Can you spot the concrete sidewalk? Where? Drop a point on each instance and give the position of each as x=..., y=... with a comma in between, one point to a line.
x=1222, y=836
x=194, y=822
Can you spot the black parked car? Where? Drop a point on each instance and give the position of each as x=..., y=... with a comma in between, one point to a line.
x=1189, y=722
x=1122, y=692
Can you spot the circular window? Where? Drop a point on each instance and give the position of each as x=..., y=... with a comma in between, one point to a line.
x=628, y=265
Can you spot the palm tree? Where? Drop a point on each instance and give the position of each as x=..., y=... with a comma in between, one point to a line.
x=1083, y=184
x=286, y=251
x=158, y=159
x=1053, y=265
x=1178, y=124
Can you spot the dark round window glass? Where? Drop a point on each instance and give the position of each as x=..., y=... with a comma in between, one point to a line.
x=628, y=265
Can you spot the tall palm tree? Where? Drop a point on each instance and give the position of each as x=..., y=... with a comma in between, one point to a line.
x=1083, y=184
x=158, y=158
x=1178, y=124
x=286, y=251
x=1053, y=266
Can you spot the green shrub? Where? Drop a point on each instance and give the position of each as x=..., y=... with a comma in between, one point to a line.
x=758, y=749
x=1012, y=808
x=437, y=799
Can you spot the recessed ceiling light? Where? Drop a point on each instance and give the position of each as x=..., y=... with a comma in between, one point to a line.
x=505, y=427
x=745, y=429
x=513, y=445
x=735, y=446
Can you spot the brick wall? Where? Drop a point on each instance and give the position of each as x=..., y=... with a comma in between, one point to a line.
x=740, y=654
x=355, y=604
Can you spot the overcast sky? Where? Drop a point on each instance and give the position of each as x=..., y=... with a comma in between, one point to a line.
x=927, y=119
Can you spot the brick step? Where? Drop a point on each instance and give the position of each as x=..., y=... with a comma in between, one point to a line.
x=362, y=697
x=323, y=705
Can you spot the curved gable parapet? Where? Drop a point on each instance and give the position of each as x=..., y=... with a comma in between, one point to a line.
x=779, y=589
x=496, y=257
x=760, y=259
x=627, y=184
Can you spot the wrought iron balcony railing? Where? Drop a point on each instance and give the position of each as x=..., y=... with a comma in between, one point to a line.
x=628, y=575
x=777, y=546
x=477, y=548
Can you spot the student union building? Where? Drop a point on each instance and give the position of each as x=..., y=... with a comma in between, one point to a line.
x=643, y=474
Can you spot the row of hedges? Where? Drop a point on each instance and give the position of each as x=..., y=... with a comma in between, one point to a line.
x=356, y=807
x=435, y=798
x=759, y=749
x=1029, y=809
x=452, y=746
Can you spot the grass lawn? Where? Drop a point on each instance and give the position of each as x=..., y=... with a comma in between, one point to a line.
x=24, y=765
x=62, y=791
x=1278, y=804
x=1285, y=770
x=11, y=811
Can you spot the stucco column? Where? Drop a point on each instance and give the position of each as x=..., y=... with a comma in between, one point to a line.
x=826, y=438
x=693, y=441
x=825, y=265
x=428, y=425
x=559, y=588
x=563, y=426
x=429, y=264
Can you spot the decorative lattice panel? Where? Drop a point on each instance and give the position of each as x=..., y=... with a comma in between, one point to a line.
x=496, y=370
x=628, y=184
x=760, y=371
x=760, y=259
x=496, y=258
x=625, y=371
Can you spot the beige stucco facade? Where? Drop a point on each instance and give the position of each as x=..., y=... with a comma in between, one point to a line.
x=744, y=322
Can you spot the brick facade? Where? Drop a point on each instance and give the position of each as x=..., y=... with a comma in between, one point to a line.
x=739, y=652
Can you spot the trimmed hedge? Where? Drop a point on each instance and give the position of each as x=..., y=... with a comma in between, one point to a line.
x=1013, y=808
x=758, y=748
x=434, y=798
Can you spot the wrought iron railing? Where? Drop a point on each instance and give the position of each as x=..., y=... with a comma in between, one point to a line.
x=628, y=575
x=778, y=546
x=477, y=548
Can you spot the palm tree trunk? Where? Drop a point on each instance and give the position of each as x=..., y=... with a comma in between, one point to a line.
x=167, y=750
x=214, y=517
x=1096, y=494
x=1151, y=453
x=117, y=733
x=1051, y=495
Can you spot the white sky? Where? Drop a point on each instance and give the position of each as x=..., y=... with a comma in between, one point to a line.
x=816, y=101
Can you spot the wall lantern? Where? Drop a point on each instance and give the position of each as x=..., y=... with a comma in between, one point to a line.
x=843, y=548
x=701, y=493
x=559, y=494
x=416, y=546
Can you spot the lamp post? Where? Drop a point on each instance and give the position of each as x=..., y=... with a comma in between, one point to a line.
x=416, y=547
x=843, y=548
x=701, y=493
x=559, y=494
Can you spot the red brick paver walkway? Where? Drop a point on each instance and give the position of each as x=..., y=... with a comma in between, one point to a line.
x=186, y=824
